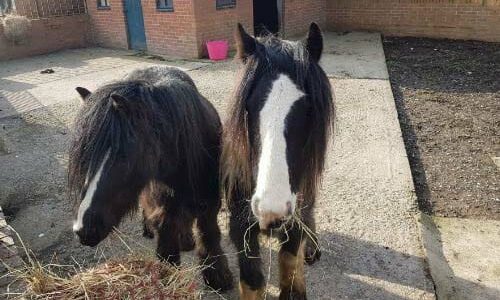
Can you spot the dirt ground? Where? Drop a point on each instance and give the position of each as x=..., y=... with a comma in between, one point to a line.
x=448, y=100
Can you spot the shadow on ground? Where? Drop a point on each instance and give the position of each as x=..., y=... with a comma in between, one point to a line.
x=413, y=152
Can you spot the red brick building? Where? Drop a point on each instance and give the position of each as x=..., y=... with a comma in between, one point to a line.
x=182, y=27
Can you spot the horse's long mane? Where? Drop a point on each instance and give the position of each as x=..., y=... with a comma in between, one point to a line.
x=156, y=115
x=238, y=159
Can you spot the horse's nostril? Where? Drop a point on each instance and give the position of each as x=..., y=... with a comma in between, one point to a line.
x=79, y=234
x=88, y=236
x=276, y=224
x=86, y=232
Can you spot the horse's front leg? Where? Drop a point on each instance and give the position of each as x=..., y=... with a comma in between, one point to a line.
x=245, y=238
x=147, y=230
x=312, y=250
x=168, y=248
x=291, y=265
x=186, y=240
x=216, y=272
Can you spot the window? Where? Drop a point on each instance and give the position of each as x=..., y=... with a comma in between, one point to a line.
x=165, y=5
x=220, y=4
x=102, y=3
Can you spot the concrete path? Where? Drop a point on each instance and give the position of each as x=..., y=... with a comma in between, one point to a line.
x=366, y=212
x=464, y=257
x=367, y=209
x=24, y=88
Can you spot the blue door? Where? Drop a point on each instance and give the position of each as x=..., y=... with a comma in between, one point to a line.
x=135, y=25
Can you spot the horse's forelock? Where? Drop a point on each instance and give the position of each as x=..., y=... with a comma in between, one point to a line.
x=99, y=128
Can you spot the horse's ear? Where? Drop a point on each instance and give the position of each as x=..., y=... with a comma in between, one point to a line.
x=119, y=102
x=314, y=42
x=84, y=93
x=245, y=43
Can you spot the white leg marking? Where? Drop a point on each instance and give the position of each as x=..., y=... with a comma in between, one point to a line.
x=89, y=195
x=273, y=185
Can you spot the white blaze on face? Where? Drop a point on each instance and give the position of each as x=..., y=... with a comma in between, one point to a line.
x=273, y=185
x=89, y=195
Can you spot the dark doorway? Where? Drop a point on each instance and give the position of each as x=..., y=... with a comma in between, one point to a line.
x=265, y=16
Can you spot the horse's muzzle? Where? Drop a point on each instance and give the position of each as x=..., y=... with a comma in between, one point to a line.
x=89, y=237
x=271, y=219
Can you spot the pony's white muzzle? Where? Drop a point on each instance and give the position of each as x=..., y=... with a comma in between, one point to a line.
x=272, y=214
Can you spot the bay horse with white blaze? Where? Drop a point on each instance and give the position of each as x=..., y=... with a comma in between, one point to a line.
x=152, y=137
x=273, y=155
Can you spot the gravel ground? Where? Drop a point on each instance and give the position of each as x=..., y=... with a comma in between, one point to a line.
x=448, y=99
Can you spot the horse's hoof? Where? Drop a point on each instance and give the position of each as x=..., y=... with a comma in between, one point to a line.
x=186, y=241
x=218, y=276
x=286, y=294
x=312, y=253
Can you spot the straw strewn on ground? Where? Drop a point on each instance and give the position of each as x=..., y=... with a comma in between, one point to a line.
x=132, y=277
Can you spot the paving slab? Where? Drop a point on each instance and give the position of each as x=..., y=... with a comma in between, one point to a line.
x=354, y=55
x=464, y=257
x=366, y=210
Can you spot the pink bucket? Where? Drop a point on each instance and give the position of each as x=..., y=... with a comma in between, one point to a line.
x=217, y=50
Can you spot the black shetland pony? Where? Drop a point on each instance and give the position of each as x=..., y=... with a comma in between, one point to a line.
x=151, y=137
x=273, y=155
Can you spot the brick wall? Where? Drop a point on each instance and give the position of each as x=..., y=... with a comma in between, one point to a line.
x=456, y=19
x=171, y=32
x=216, y=24
x=185, y=31
x=47, y=35
x=182, y=32
x=298, y=14
x=108, y=27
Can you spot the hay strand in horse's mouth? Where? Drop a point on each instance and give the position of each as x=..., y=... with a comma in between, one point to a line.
x=311, y=235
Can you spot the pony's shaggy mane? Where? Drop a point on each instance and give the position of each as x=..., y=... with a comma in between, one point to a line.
x=154, y=113
x=238, y=159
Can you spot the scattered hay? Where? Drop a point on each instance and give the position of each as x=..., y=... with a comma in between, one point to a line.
x=136, y=276
x=132, y=277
